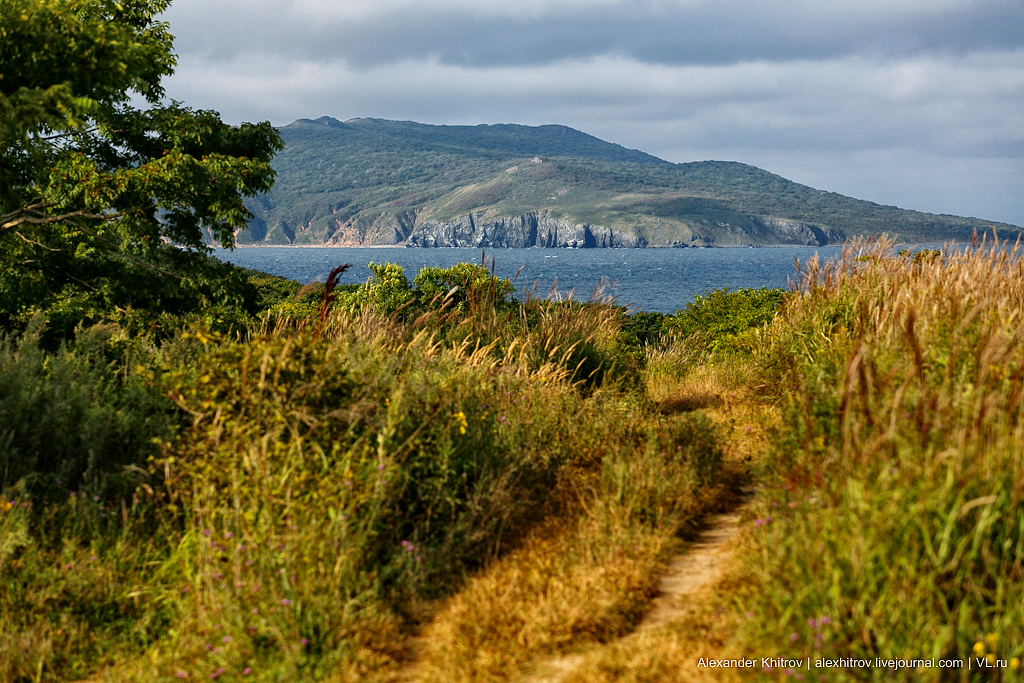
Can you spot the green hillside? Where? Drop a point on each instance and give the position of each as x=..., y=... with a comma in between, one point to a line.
x=371, y=181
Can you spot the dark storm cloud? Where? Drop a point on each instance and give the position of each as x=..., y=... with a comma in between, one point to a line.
x=698, y=33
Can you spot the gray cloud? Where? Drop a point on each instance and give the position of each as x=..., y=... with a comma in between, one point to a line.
x=699, y=32
x=920, y=105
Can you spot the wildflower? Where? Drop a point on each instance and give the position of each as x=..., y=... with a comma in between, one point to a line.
x=95, y=497
x=67, y=566
x=208, y=647
x=348, y=483
x=182, y=674
x=788, y=672
x=380, y=467
x=286, y=602
x=228, y=535
x=206, y=532
x=1014, y=663
x=92, y=559
x=226, y=639
x=246, y=671
x=255, y=610
x=793, y=637
x=304, y=642
x=979, y=648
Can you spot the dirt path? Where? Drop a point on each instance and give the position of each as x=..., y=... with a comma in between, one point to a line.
x=698, y=568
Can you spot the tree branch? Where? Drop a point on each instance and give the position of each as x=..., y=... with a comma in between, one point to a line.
x=37, y=217
x=128, y=256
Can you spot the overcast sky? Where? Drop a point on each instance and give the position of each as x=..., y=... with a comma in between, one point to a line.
x=916, y=103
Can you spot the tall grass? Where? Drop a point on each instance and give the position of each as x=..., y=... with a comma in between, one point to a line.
x=317, y=484
x=892, y=523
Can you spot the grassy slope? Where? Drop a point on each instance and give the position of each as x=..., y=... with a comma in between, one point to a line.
x=364, y=169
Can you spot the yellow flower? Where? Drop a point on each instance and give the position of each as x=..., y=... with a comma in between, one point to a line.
x=460, y=417
x=1014, y=663
x=979, y=648
x=991, y=659
x=992, y=639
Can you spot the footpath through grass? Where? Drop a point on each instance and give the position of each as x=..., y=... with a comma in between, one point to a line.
x=888, y=522
x=295, y=500
x=428, y=481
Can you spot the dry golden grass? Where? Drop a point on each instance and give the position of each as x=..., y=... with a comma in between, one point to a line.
x=566, y=586
x=576, y=585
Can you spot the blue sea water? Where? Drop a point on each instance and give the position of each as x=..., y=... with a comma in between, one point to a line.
x=645, y=279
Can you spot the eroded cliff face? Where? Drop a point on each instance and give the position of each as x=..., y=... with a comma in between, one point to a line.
x=792, y=232
x=540, y=229
x=524, y=230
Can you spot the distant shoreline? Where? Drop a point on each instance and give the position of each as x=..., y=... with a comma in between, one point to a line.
x=710, y=246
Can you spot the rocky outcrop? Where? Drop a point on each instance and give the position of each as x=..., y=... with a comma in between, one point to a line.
x=793, y=232
x=524, y=230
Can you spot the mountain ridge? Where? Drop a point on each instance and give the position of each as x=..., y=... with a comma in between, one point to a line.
x=365, y=182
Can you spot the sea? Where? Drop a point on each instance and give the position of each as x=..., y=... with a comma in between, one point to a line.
x=663, y=280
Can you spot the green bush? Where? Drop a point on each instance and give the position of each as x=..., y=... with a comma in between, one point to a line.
x=78, y=416
x=467, y=280
x=724, y=319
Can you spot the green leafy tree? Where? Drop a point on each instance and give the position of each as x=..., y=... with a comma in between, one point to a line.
x=107, y=208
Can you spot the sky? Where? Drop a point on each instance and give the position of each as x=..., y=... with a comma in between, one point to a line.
x=912, y=103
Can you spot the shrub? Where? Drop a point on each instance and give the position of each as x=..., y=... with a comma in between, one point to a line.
x=468, y=280
x=725, y=319
x=80, y=415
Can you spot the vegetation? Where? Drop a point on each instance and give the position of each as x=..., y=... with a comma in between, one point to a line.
x=104, y=207
x=370, y=181
x=284, y=504
x=213, y=473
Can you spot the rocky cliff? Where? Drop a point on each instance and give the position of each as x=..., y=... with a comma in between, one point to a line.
x=525, y=230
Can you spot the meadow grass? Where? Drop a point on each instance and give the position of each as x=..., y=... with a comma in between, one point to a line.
x=316, y=488
x=888, y=521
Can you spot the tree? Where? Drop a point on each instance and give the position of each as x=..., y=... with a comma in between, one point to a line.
x=106, y=207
